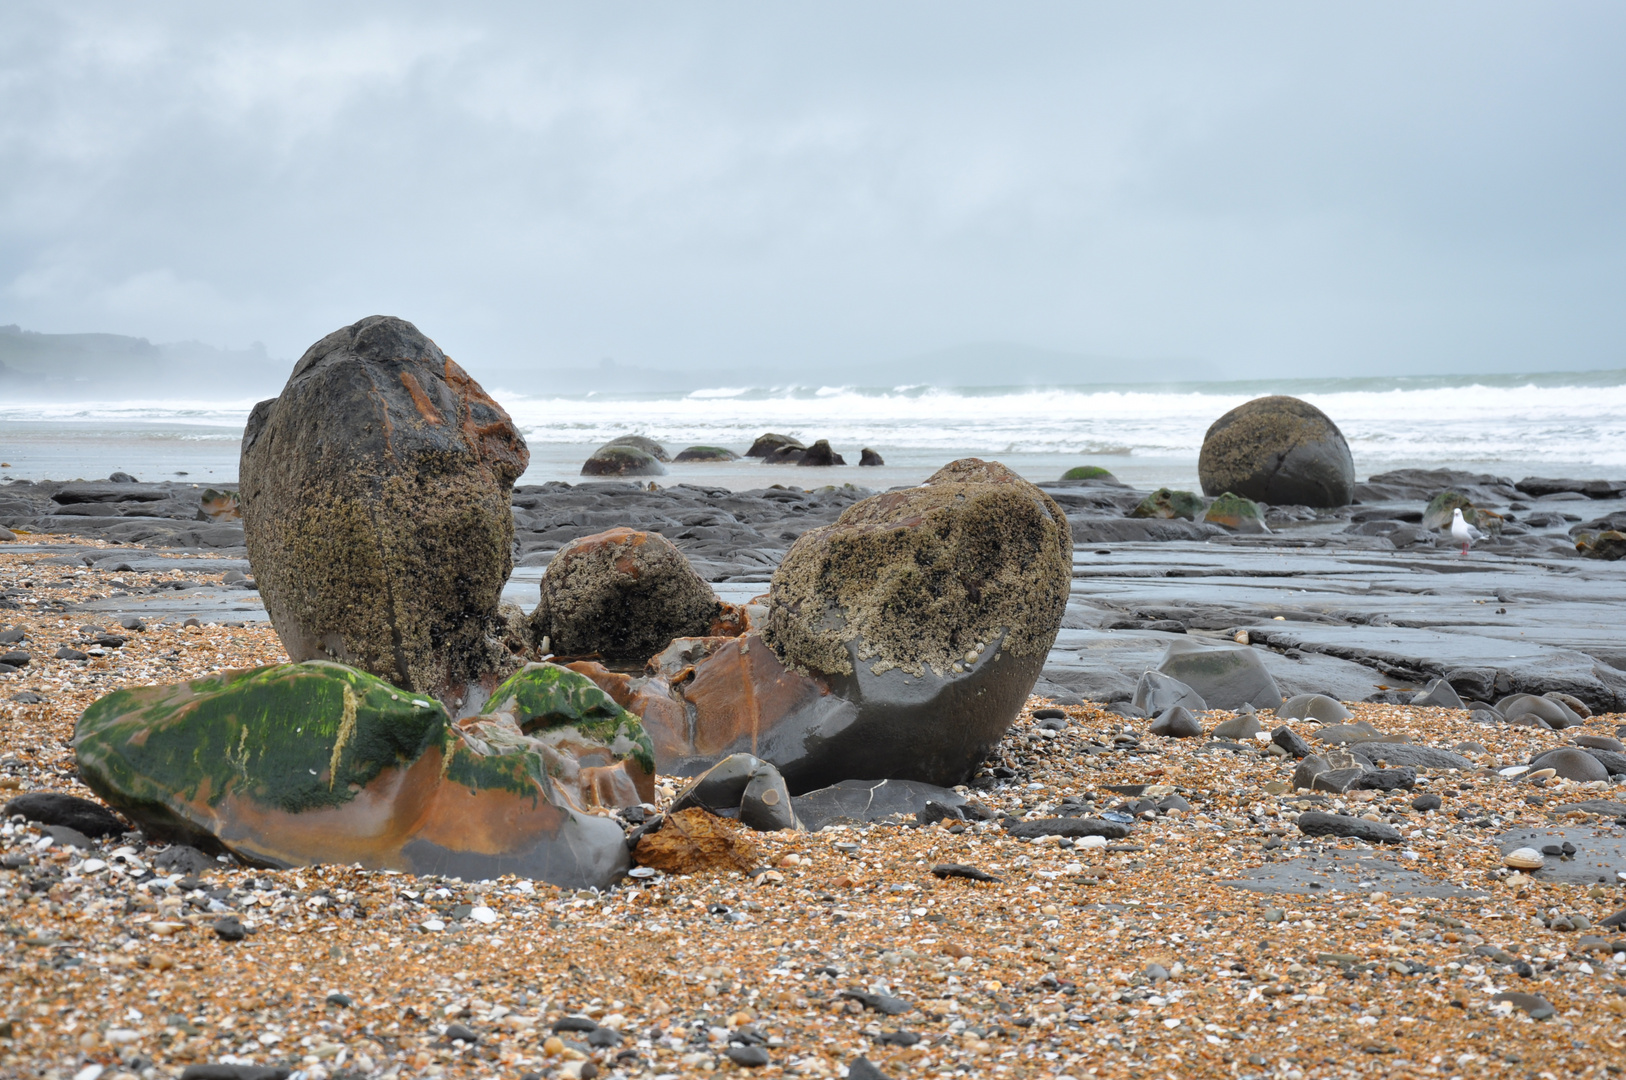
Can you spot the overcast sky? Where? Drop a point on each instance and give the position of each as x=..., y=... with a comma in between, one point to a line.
x=1270, y=189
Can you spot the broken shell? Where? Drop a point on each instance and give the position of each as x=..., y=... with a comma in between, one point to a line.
x=1241, y=637
x=1524, y=859
x=1542, y=774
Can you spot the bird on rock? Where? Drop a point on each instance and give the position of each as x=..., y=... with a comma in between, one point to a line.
x=1461, y=530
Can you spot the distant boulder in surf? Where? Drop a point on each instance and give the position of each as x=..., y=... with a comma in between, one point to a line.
x=1088, y=472
x=641, y=442
x=706, y=453
x=867, y=456
x=1278, y=450
x=821, y=454
x=767, y=443
x=622, y=459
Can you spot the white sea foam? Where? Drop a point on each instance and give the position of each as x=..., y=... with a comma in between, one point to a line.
x=1577, y=420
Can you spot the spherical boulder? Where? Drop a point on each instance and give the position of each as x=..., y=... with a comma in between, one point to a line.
x=1278, y=450
x=375, y=500
x=622, y=459
x=930, y=610
x=641, y=442
x=622, y=594
x=706, y=453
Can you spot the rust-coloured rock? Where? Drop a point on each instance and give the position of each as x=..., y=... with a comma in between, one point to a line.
x=692, y=840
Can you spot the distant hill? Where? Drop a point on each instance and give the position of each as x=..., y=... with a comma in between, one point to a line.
x=57, y=366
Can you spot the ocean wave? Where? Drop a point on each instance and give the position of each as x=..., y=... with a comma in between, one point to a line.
x=1474, y=421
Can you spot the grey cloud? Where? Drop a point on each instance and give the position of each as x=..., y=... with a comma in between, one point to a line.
x=1262, y=188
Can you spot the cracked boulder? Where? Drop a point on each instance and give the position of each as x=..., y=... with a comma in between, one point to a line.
x=901, y=641
x=308, y=763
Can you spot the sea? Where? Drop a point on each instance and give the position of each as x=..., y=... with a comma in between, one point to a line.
x=1553, y=424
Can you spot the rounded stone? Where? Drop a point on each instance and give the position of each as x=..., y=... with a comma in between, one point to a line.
x=622, y=594
x=706, y=453
x=1572, y=763
x=884, y=605
x=1523, y=858
x=641, y=442
x=622, y=460
x=766, y=444
x=1278, y=450
x=376, y=508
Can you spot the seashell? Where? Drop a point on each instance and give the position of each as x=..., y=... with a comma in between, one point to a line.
x=1542, y=774
x=1524, y=858
x=1241, y=637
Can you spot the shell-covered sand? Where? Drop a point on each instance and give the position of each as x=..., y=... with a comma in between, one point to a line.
x=1047, y=972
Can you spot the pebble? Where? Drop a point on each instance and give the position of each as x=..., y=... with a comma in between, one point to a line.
x=1524, y=858
x=961, y=870
x=750, y=1057
x=1537, y=1006
x=1316, y=823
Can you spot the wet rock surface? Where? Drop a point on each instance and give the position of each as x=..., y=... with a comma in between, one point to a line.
x=375, y=493
x=307, y=763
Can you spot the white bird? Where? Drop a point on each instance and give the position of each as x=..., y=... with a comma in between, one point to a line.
x=1461, y=530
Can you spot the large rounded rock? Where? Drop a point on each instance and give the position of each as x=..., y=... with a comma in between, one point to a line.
x=641, y=442
x=930, y=610
x=1278, y=450
x=299, y=764
x=375, y=502
x=621, y=459
x=622, y=594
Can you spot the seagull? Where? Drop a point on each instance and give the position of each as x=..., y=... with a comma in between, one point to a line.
x=1461, y=530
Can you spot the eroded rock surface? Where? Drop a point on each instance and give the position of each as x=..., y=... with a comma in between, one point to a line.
x=1278, y=449
x=375, y=500
x=622, y=593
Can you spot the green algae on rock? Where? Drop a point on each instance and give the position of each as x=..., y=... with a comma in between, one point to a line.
x=1236, y=513
x=315, y=762
x=1165, y=503
x=1088, y=472
x=567, y=711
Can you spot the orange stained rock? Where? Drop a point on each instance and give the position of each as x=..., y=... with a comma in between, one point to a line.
x=495, y=439
x=426, y=408
x=693, y=840
x=738, y=692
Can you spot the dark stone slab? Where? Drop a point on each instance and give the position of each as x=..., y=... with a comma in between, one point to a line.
x=1598, y=859
x=1346, y=872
